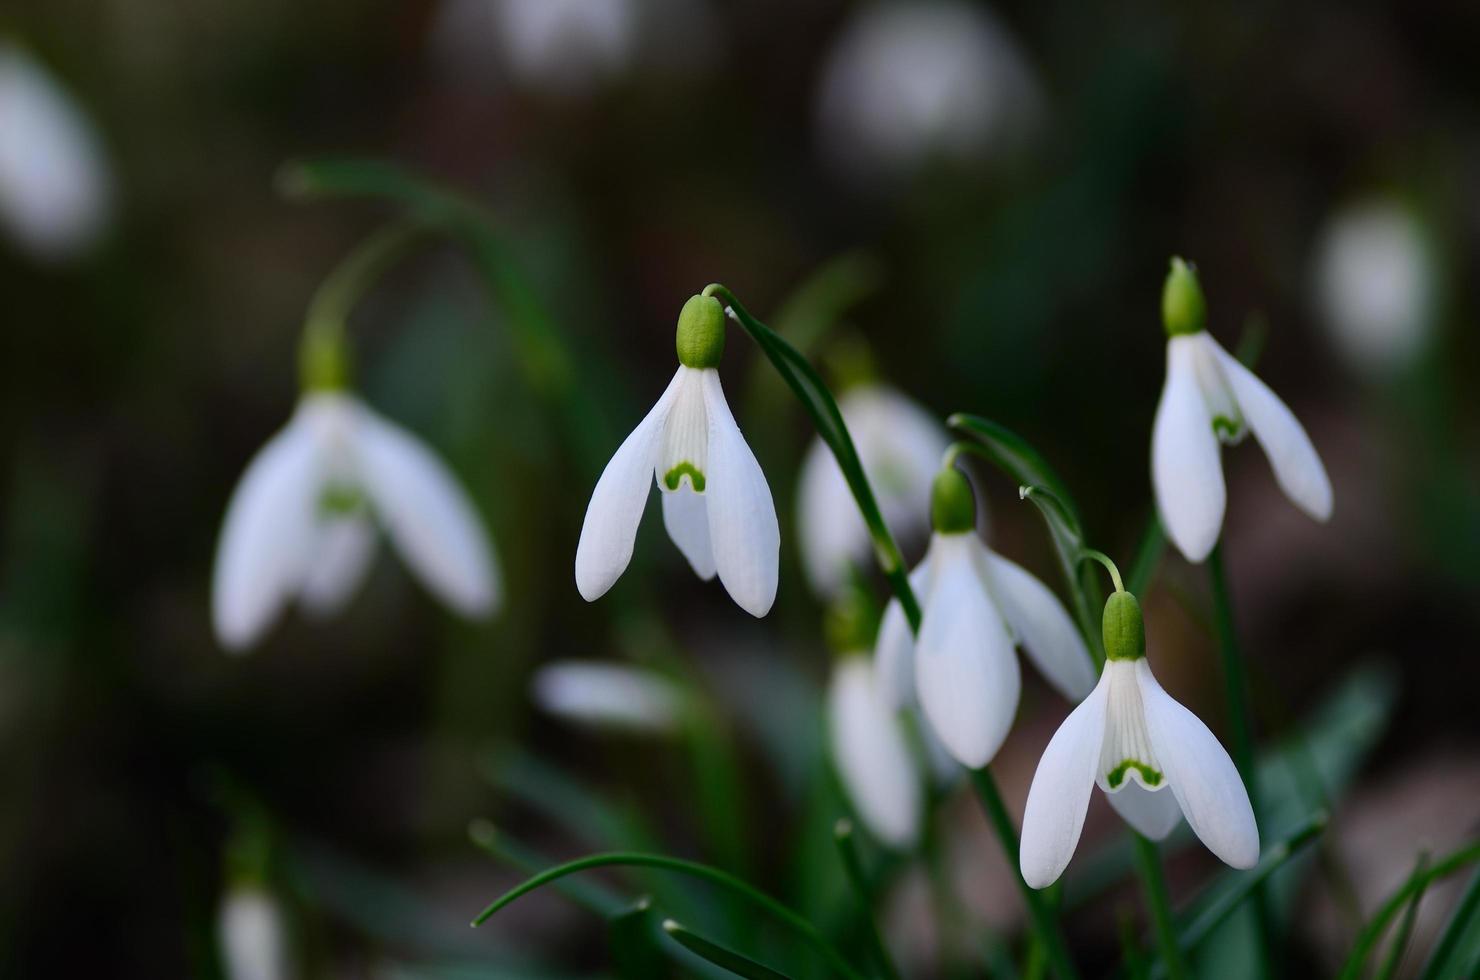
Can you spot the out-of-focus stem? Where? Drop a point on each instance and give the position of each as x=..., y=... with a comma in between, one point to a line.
x=1148, y=861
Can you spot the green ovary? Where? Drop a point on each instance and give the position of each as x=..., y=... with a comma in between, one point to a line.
x=672, y=478
x=1149, y=776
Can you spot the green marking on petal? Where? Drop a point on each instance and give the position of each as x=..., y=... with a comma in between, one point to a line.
x=696, y=479
x=340, y=500
x=1149, y=776
x=1226, y=428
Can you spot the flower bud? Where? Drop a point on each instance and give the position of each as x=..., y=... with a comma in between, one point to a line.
x=952, y=506
x=701, y=332
x=1122, y=628
x=1182, y=308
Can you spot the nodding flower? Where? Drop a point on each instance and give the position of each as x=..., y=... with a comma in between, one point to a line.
x=717, y=506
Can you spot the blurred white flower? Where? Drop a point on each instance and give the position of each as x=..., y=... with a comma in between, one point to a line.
x=1208, y=398
x=609, y=695
x=1132, y=740
x=908, y=81
x=300, y=523
x=252, y=936
x=1375, y=285
x=717, y=507
x=566, y=46
x=900, y=445
x=55, y=187
x=872, y=755
x=976, y=606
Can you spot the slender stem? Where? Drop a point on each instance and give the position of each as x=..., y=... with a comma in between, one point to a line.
x=1090, y=554
x=1454, y=931
x=1399, y=945
x=323, y=361
x=794, y=920
x=1372, y=932
x=809, y=388
x=1236, y=688
x=1042, y=916
x=1148, y=555
x=1155, y=885
x=592, y=896
x=853, y=865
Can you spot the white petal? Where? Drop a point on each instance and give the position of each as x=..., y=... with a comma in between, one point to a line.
x=55, y=186
x=894, y=649
x=1059, y=796
x=617, y=502
x=342, y=550
x=1153, y=814
x=1186, y=469
x=687, y=521
x=254, y=944
x=1043, y=628
x=966, y=673
x=263, y=550
x=872, y=756
x=1201, y=774
x=829, y=528
x=742, y=518
x=609, y=694
x=426, y=515
x=1296, y=465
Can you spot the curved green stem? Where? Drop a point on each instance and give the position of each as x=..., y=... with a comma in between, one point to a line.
x=1372, y=932
x=1090, y=554
x=322, y=359
x=1464, y=917
x=799, y=925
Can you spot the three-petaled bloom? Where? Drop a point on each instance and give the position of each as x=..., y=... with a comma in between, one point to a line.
x=873, y=757
x=1210, y=398
x=301, y=523
x=898, y=444
x=716, y=504
x=1132, y=740
x=976, y=606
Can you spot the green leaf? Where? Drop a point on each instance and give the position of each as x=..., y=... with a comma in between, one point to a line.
x=799, y=926
x=1015, y=456
x=1399, y=945
x=1367, y=939
x=633, y=943
x=1457, y=953
x=736, y=963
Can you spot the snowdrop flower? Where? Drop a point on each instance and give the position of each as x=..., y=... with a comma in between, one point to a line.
x=899, y=444
x=1210, y=398
x=872, y=755
x=301, y=523
x=976, y=606
x=54, y=180
x=1152, y=757
x=610, y=695
x=253, y=939
x=909, y=80
x=1375, y=285
x=716, y=504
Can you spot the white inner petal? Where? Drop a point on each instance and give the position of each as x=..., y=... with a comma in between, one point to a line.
x=685, y=452
x=1228, y=421
x=1126, y=753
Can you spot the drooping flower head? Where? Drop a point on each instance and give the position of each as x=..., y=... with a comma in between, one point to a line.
x=899, y=444
x=976, y=607
x=1210, y=398
x=717, y=506
x=302, y=521
x=874, y=761
x=1152, y=757
x=611, y=695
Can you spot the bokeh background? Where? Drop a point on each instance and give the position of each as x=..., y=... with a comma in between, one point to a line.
x=992, y=193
